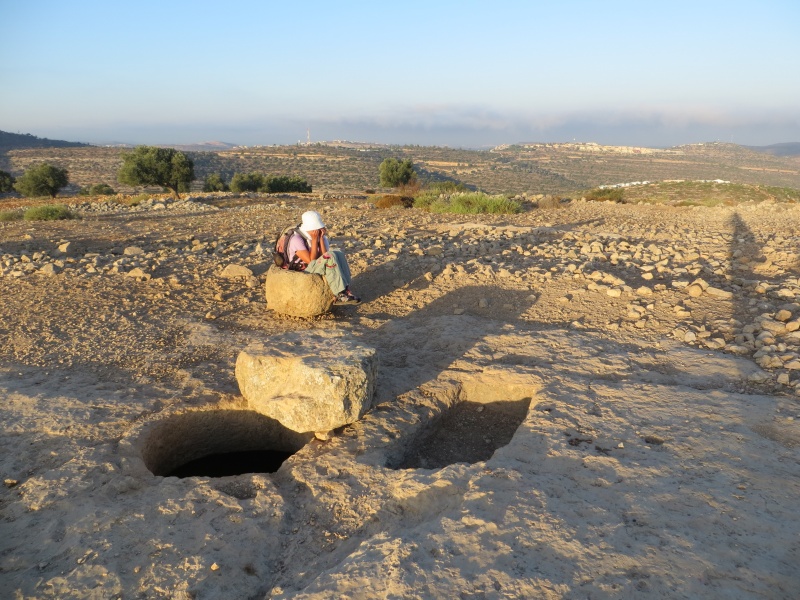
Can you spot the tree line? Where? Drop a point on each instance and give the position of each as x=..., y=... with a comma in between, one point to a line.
x=174, y=171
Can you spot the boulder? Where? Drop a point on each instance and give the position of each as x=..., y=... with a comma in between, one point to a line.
x=296, y=293
x=309, y=382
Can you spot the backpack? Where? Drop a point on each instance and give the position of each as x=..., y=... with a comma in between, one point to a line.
x=280, y=255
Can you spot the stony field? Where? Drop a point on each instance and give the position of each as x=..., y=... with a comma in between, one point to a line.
x=596, y=401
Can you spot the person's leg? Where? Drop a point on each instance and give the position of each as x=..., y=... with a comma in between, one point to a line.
x=330, y=270
x=341, y=260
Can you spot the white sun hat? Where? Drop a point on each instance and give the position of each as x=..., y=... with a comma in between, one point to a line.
x=311, y=221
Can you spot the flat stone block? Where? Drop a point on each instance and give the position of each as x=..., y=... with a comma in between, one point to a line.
x=309, y=382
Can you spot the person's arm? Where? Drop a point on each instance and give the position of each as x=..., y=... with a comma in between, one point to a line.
x=317, y=246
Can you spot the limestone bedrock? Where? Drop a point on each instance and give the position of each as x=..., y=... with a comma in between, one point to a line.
x=297, y=294
x=309, y=382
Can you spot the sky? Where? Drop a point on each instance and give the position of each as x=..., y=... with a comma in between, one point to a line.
x=449, y=73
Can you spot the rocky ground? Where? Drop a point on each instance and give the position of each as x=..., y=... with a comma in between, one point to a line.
x=586, y=402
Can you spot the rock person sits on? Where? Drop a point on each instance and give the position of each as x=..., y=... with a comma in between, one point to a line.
x=311, y=249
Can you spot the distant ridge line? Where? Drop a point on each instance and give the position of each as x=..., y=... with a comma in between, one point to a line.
x=785, y=149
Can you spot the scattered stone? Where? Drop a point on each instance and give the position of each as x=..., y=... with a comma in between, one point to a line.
x=49, y=269
x=138, y=273
x=783, y=315
x=695, y=291
x=718, y=293
x=234, y=271
x=654, y=440
x=132, y=251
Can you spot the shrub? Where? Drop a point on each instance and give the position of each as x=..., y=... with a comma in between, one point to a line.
x=394, y=201
x=47, y=212
x=447, y=187
x=6, y=182
x=396, y=172
x=249, y=182
x=10, y=215
x=424, y=199
x=42, y=180
x=98, y=189
x=283, y=183
x=215, y=183
x=271, y=184
x=475, y=203
x=605, y=195
x=429, y=194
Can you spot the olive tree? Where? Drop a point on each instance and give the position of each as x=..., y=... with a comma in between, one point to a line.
x=42, y=180
x=395, y=173
x=148, y=165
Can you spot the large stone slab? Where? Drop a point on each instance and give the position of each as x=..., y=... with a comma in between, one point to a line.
x=296, y=293
x=309, y=382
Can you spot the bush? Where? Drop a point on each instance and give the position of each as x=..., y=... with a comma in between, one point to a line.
x=250, y=182
x=10, y=215
x=395, y=172
x=394, y=201
x=475, y=203
x=47, y=212
x=447, y=187
x=98, y=189
x=215, y=183
x=42, y=180
x=606, y=195
x=282, y=183
x=272, y=184
x=6, y=182
x=428, y=195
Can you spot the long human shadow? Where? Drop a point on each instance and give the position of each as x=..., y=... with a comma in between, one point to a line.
x=750, y=265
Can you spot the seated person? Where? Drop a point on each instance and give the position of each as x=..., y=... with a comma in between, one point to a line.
x=310, y=252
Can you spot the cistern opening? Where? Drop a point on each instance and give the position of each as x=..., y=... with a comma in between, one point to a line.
x=481, y=421
x=219, y=443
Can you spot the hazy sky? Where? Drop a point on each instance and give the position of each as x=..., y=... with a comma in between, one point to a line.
x=456, y=73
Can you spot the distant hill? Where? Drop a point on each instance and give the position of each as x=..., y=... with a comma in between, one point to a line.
x=201, y=146
x=18, y=141
x=787, y=149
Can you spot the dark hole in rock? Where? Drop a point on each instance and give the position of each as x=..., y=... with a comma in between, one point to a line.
x=468, y=432
x=232, y=463
x=219, y=443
